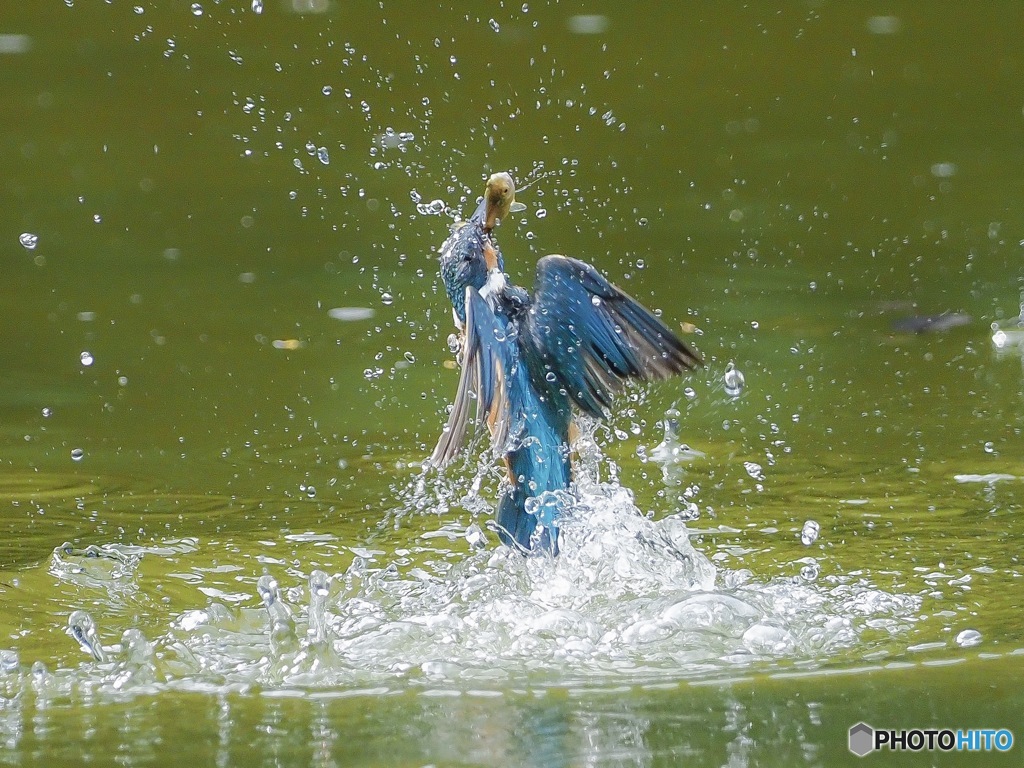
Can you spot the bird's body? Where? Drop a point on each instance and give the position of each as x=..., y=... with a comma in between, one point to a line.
x=528, y=359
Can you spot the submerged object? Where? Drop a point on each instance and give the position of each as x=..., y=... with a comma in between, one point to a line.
x=528, y=359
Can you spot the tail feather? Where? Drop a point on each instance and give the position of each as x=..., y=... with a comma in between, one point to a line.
x=519, y=529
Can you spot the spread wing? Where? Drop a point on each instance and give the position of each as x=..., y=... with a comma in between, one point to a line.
x=484, y=362
x=590, y=337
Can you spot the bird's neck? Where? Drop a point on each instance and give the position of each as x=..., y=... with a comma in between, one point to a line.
x=494, y=286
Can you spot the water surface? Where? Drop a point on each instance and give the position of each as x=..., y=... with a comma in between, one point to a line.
x=225, y=363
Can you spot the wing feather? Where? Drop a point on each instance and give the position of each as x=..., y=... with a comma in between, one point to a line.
x=589, y=337
x=483, y=377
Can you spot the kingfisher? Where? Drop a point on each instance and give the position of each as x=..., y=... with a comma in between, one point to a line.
x=530, y=360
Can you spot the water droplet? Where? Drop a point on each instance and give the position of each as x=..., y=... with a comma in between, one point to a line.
x=733, y=380
x=387, y=299
x=494, y=25
x=322, y=156
x=257, y=6
x=310, y=491
x=541, y=213
x=643, y=222
x=809, y=533
x=197, y=9
x=689, y=393
x=990, y=447
x=29, y=240
x=77, y=454
x=47, y=413
x=433, y=208
x=87, y=358
x=327, y=90
x=550, y=376
x=9, y=661
x=968, y=638
x=595, y=300
x=83, y=629
x=409, y=358
x=97, y=219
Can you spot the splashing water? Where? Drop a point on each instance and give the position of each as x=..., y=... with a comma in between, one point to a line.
x=628, y=600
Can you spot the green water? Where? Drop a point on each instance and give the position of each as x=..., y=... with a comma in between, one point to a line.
x=205, y=183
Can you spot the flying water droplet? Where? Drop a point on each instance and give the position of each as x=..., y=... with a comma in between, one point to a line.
x=387, y=299
x=541, y=213
x=323, y=156
x=77, y=454
x=257, y=6
x=433, y=208
x=28, y=240
x=733, y=380
x=83, y=629
x=809, y=533
x=87, y=359
x=197, y=9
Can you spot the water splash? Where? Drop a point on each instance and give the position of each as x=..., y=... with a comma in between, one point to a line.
x=629, y=600
x=809, y=533
x=733, y=380
x=83, y=629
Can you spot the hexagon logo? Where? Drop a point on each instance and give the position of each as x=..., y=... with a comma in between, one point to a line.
x=862, y=739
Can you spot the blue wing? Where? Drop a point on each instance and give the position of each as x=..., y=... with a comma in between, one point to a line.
x=483, y=379
x=586, y=336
